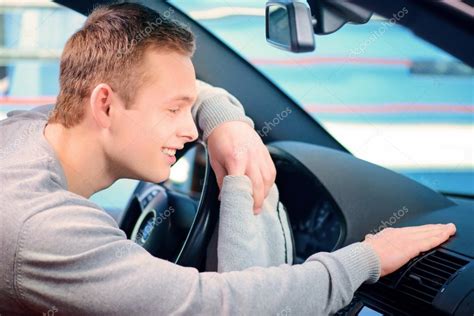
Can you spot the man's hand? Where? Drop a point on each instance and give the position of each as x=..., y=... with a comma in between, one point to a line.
x=396, y=246
x=236, y=149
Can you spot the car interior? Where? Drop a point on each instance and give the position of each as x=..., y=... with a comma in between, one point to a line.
x=332, y=198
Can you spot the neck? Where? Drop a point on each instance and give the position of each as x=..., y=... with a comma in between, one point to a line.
x=83, y=161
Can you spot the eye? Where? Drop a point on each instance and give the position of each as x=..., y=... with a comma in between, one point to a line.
x=174, y=111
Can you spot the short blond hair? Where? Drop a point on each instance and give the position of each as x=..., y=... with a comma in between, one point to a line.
x=109, y=48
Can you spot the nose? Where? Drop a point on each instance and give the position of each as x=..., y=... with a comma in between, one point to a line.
x=188, y=129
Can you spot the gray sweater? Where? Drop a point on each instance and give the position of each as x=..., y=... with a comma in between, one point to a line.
x=63, y=254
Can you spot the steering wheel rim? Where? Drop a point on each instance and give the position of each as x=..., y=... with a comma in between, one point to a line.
x=153, y=224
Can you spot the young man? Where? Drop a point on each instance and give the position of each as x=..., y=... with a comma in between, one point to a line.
x=123, y=116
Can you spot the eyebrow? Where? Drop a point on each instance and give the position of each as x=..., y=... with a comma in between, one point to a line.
x=184, y=98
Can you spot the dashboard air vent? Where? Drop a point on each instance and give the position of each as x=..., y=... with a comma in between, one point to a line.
x=427, y=276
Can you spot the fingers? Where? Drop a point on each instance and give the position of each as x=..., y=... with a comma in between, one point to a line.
x=434, y=239
x=233, y=168
x=268, y=172
x=425, y=230
x=255, y=176
x=447, y=229
x=236, y=165
x=425, y=237
x=452, y=229
x=422, y=229
x=396, y=246
x=242, y=152
x=417, y=237
x=220, y=174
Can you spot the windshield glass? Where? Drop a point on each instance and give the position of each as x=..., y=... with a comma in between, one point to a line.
x=388, y=96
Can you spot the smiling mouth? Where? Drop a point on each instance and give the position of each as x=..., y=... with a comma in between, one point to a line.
x=168, y=151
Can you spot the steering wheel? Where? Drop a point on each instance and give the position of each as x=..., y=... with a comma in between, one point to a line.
x=173, y=225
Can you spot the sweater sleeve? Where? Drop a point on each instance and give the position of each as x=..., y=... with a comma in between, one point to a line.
x=246, y=240
x=215, y=106
x=75, y=258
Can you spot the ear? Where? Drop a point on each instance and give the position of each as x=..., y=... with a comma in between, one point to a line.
x=100, y=103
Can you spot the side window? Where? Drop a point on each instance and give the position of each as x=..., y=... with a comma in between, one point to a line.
x=32, y=36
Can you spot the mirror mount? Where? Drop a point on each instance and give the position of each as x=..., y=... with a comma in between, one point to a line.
x=332, y=15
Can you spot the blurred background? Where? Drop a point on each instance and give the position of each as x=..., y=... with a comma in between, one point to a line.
x=385, y=94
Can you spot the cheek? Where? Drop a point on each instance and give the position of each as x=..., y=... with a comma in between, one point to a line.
x=127, y=132
x=163, y=132
x=146, y=142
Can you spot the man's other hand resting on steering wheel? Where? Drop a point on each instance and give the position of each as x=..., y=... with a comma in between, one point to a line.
x=125, y=104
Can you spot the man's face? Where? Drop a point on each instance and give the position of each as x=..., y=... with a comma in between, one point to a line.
x=143, y=138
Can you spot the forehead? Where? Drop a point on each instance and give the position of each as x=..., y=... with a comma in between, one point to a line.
x=170, y=75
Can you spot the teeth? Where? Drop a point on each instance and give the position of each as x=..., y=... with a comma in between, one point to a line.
x=168, y=151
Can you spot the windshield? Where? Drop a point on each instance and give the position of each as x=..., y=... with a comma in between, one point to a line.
x=388, y=96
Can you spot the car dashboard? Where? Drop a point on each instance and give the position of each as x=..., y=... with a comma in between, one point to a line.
x=334, y=199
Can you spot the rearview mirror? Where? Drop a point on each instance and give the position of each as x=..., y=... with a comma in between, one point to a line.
x=289, y=26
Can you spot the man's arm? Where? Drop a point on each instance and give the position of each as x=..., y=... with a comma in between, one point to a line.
x=215, y=106
x=246, y=240
x=234, y=146
x=84, y=265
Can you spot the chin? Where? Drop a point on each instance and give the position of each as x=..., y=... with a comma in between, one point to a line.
x=154, y=171
x=161, y=175
x=153, y=175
